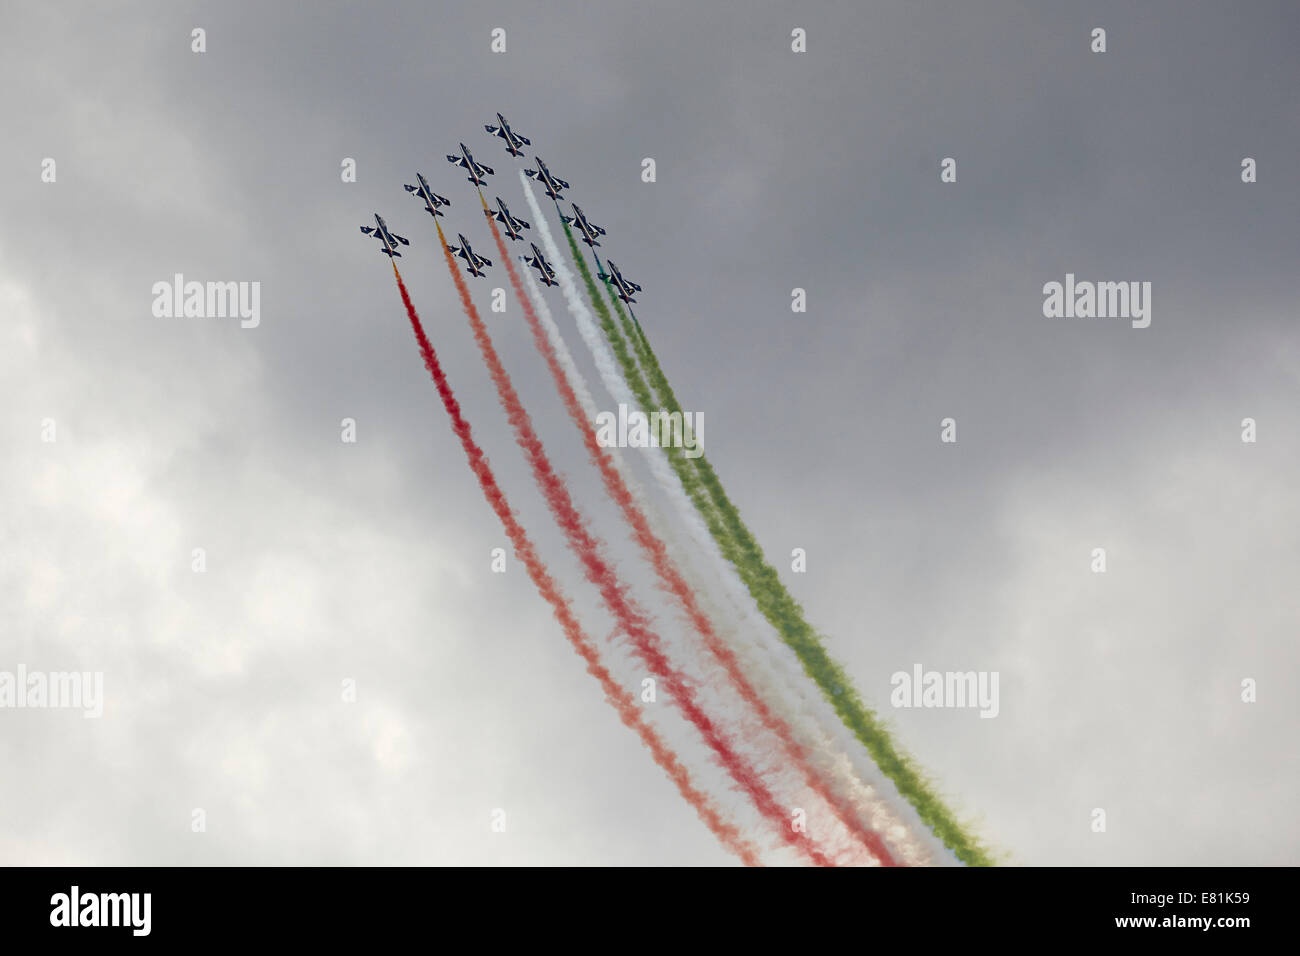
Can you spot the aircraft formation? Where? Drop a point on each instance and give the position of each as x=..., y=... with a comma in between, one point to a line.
x=513, y=226
x=859, y=824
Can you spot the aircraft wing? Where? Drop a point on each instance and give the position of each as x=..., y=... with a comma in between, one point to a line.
x=484, y=169
x=405, y=242
x=368, y=230
x=458, y=160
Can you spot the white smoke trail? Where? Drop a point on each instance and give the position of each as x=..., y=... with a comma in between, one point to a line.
x=804, y=708
x=583, y=393
x=643, y=501
x=665, y=528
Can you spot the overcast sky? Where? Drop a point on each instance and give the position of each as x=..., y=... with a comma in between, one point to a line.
x=370, y=561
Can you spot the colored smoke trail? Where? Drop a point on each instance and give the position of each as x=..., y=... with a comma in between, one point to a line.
x=590, y=411
x=779, y=607
x=670, y=578
x=910, y=845
x=726, y=832
x=590, y=553
x=647, y=504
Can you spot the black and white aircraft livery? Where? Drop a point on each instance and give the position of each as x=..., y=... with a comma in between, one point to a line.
x=551, y=184
x=513, y=139
x=390, y=240
x=588, y=229
x=476, y=170
x=538, y=262
x=512, y=223
x=474, y=263
x=431, y=199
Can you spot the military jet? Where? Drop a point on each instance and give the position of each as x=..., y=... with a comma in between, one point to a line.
x=588, y=230
x=513, y=139
x=390, y=239
x=431, y=199
x=622, y=287
x=476, y=170
x=551, y=183
x=473, y=261
x=512, y=223
x=538, y=262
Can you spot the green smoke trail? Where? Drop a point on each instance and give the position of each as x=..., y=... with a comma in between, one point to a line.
x=764, y=585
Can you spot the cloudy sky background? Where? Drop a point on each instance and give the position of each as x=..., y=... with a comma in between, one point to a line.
x=370, y=561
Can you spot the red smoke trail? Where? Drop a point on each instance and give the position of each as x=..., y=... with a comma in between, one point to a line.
x=726, y=832
x=590, y=552
x=669, y=576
